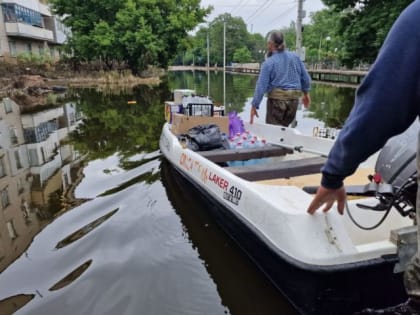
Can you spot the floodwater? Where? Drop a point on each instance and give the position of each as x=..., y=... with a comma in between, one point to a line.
x=97, y=222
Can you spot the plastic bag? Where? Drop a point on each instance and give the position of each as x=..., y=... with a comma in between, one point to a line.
x=205, y=137
x=236, y=125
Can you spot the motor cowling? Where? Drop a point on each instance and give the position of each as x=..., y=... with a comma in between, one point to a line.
x=396, y=165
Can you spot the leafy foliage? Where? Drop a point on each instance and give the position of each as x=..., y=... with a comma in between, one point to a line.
x=242, y=55
x=363, y=25
x=212, y=37
x=136, y=32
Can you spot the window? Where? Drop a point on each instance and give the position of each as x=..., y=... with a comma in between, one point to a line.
x=17, y=158
x=2, y=170
x=7, y=105
x=29, y=48
x=20, y=187
x=12, y=48
x=16, y=13
x=13, y=135
x=11, y=229
x=9, y=12
x=4, y=195
x=41, y=50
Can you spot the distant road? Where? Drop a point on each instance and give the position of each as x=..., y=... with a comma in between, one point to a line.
x=190, y=68
x=353, y=77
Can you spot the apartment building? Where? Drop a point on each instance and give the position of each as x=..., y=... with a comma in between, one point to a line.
x=28, y=26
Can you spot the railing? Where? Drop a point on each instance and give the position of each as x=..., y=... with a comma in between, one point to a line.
x=29, y=31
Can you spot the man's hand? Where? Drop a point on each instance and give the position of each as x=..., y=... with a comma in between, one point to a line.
x=306, y=100
x=254, y=112
x=328, y=197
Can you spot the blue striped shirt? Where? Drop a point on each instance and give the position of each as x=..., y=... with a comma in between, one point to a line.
x=283, y=70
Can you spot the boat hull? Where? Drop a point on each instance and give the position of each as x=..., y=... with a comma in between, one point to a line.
x=310, y=259
x=333, y=290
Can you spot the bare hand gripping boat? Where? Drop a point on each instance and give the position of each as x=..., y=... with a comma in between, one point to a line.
x=324, y=263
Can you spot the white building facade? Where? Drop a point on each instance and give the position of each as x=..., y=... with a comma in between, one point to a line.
x=27, y=26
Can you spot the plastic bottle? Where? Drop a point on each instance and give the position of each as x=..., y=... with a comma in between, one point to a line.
x=251, y=145
x=262, y=143
x=236, y=163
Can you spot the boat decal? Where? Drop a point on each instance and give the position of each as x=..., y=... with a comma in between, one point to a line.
x=230, y=193
x=233, y=195
x=204, y=174
x=186, y=162
x=231, y=198
x=219, y=181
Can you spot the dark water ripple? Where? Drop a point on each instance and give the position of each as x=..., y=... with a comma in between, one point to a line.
x=139, y=261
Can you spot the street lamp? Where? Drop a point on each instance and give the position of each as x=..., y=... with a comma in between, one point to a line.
x=328, y=39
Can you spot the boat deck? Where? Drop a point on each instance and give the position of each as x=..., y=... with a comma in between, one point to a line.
x=284, y=168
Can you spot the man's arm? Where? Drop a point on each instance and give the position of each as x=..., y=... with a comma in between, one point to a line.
x=386, y=104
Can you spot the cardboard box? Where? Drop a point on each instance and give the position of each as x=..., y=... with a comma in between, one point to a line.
x=182, y=123
x=170, y=109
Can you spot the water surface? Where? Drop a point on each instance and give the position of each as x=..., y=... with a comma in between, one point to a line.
x=127, y=234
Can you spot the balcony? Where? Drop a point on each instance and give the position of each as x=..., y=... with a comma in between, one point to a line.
x=28, y=31
x=44, y=9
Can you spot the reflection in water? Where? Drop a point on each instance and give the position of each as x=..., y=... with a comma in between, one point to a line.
x=148, y=177
x=330, y=104
x=37, y=172
x=71, y=276
x=11, y=304
x=111, y=125
x=84, y=230
x=243, y=289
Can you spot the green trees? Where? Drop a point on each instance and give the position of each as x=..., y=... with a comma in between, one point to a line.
x=242, y=55
x=348, y=32
x=135, y=32
x=321, y=38
x=237, y=38
x=363, y=26
x=138, y=33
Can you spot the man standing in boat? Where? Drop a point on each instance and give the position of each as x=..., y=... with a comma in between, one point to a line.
x=382, y=110
x=284, y=77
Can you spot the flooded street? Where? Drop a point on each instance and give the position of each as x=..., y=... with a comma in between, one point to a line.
x=95, y=221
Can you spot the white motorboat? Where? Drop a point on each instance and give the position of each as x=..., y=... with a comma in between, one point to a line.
x=323, y=263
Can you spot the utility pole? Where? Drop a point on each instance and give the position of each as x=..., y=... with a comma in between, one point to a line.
x=299, y=28
x=224, y=63
x=208, y=49
x=208, y=61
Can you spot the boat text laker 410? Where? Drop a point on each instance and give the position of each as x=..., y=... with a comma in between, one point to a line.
x=261, y=180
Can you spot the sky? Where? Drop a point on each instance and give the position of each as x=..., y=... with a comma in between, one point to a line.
x=262, y=16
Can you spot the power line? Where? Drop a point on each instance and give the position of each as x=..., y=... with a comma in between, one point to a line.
x=255, y=14
x=260, y=9
x=237, y=6
x=287, y=11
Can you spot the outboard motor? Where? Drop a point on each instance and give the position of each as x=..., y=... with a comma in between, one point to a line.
x=396, y=166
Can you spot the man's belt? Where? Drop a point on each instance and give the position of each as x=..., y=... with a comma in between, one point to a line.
x=280, y=94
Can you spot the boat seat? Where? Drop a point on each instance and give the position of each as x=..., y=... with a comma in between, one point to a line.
x=219, y=156
x=283, y=169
